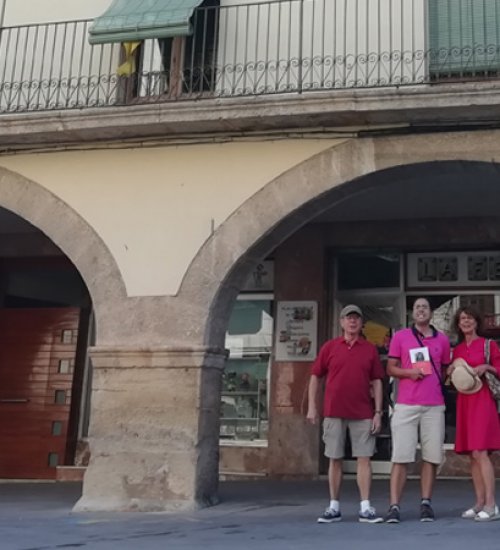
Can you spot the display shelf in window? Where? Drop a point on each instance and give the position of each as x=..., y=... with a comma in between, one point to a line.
x=243, y=413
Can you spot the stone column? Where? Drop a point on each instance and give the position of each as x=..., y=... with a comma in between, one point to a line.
x=154, y=429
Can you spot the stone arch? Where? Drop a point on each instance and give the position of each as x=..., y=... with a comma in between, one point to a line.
x=297, y=196
x=70, y=232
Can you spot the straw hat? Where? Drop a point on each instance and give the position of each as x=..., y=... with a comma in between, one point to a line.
x=464, y=377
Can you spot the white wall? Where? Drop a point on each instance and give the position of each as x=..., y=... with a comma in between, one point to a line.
x=2, y=12
x=154, y=208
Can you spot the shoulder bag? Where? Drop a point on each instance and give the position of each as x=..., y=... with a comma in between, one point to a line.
x=491, y=379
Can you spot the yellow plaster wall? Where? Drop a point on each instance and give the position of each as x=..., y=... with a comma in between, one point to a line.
x=155, y=207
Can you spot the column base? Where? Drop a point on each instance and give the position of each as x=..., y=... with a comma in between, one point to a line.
x=154, y=433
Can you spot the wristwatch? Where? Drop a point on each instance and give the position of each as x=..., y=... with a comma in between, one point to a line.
x=378, y=412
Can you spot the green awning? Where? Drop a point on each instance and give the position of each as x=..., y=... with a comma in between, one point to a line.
x=133, y=20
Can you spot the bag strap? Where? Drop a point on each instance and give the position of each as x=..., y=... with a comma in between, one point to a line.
x=487, y=350
x=487, y=357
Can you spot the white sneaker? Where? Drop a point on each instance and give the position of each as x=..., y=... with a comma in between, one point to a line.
x=370, y=516
x=330, y=516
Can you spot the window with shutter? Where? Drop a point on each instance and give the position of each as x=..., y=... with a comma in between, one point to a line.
x=464, y=38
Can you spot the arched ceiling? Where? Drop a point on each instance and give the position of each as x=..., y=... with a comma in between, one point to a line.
x=11, y=223
x=438, y=196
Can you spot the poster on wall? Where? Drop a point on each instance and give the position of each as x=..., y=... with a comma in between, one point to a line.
x=296, y=331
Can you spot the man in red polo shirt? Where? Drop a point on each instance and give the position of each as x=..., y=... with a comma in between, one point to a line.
x=353, y=375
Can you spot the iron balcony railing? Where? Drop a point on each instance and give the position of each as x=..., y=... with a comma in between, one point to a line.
x=285, y=46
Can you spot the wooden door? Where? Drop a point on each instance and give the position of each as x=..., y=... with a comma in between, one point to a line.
x=37, y=357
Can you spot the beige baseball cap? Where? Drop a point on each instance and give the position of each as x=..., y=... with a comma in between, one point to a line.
x=351, y=308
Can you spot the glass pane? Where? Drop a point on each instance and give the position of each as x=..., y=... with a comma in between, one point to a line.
x=56, y=428
x=382, y=314
x=444, y=307
x=244, y=393
x=53, y=460
x=248, y=316
x=66, y=336
x=64, y=366
x=60, y=397
x=369, y=270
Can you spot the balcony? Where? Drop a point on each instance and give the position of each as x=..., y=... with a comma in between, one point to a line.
x=264, y=53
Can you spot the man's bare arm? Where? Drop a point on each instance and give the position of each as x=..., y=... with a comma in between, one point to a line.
x=377, y=393
x=312, y=409
x=394, y=369
x=377, y=397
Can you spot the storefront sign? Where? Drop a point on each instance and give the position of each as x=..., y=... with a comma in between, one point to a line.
x=296, y=331
x=453, y=269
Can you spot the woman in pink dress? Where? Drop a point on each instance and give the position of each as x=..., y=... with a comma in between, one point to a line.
x=478, y=423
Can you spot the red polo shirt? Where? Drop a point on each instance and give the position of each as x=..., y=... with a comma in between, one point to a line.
x=349, y=371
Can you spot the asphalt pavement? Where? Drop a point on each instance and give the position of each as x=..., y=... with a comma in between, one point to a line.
x=261, y=514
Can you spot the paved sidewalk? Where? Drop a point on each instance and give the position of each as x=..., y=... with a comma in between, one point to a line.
x=255, y=514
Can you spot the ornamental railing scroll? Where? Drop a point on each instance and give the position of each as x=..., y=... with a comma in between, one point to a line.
x=277, y=47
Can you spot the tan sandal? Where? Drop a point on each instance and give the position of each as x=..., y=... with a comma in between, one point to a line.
x=471, y=513
x=488, y=514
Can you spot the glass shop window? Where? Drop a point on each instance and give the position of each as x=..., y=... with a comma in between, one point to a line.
x=368, y=270
x=244, y=405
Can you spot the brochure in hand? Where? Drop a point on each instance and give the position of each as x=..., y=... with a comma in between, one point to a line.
x=420, y=359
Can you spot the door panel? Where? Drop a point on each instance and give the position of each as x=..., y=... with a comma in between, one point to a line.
x=32, y=346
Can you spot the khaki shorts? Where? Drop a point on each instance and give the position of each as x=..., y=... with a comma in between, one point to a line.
x=334, y=434
x=409, y=423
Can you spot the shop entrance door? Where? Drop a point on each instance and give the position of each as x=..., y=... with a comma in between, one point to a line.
x=37, y=358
